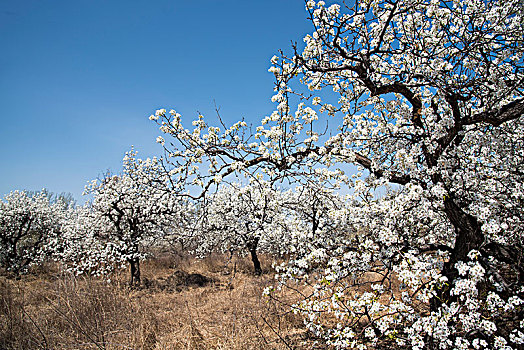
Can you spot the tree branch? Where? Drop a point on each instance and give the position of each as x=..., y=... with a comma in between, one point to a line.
x=497, y=116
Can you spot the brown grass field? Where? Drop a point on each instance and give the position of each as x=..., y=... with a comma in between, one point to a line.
x=52, y=309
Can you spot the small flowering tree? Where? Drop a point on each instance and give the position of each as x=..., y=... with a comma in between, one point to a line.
x=317, y=213
x=80, y=248
x=428, y=98
x=128, y=212
x=243, y=219
x=27, y=225
x=315, y=219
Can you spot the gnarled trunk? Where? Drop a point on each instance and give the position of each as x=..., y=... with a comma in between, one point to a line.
x=468, y=237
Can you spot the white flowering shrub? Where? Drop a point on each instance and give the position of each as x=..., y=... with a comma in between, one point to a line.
x=427, y=101
x=27, y=226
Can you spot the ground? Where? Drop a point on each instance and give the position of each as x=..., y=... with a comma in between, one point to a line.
x=183, y=303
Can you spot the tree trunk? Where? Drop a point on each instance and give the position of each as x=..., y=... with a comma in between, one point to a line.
x=134, y=263
x=252, y=246
x=469, y=234
x=468, y=237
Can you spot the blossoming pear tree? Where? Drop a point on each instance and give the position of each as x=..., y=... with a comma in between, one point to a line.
x=243, y=219
x=426, y=98
x=315, y=219
x=80, y=249
x=28, y=223
x=129, y=212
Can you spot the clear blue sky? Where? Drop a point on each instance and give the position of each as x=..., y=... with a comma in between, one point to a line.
x=78, y=79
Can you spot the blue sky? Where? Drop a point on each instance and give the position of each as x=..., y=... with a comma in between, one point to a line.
x=78, y=79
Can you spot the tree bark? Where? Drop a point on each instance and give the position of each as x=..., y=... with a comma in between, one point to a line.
x=134, y=264
x=468, y=237
x=252, y=246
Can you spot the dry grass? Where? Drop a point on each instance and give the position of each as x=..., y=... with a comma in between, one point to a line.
x=54, y=310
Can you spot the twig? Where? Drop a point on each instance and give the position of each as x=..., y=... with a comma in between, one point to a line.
x=277, y=333
x=46, y=346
